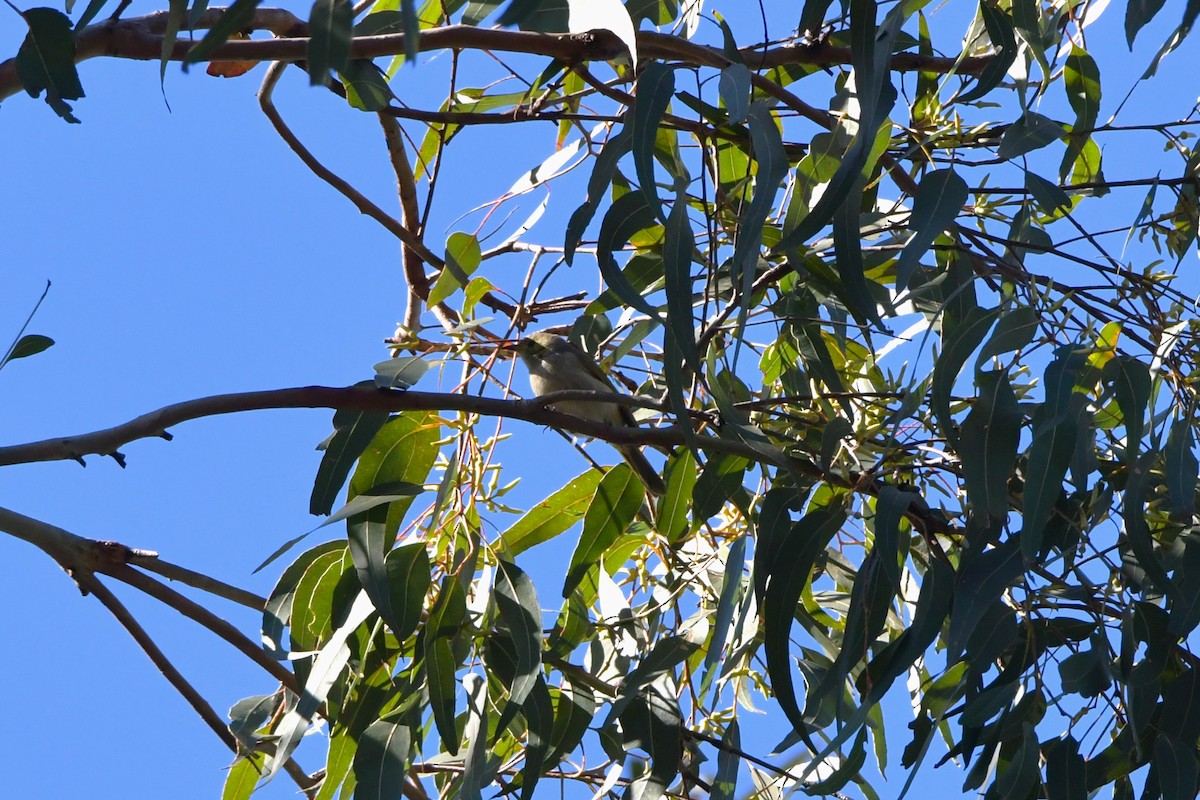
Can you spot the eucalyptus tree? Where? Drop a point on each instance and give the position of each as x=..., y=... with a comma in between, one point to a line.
x=902, y=312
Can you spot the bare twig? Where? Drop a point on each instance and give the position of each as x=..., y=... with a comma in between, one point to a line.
x=90, y=584
x=199, y=581
x=201, y=615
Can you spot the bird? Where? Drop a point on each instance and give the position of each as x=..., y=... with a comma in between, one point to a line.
x=557, y=365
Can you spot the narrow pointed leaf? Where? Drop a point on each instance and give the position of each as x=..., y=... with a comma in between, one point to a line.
x=1002, y=32
x=382, y=759
x=958, y=342
x=785, y=583
x=1181, y=468
x=655, y=88
x=517, y=603
x=551, y=516
x=990, y=435
x=617, y=500
x=445, y=621
x=940, y=198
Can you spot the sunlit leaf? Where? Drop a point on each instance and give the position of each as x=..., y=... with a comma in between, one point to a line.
x=617, y=500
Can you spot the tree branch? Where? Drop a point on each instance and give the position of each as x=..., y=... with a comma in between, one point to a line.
x=141, y=38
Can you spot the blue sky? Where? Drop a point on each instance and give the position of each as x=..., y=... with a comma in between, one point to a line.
x=192, y=254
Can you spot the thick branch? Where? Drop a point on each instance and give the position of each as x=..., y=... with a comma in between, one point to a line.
x=141, y=38
x=156, y=423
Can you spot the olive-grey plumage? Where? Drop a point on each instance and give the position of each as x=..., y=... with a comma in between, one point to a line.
x=556, y=365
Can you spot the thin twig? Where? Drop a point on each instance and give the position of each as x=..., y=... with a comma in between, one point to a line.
x=198, y=580
x=90, y=584
x=202, y=616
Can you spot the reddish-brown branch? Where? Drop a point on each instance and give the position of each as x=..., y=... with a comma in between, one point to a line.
x=141, y=38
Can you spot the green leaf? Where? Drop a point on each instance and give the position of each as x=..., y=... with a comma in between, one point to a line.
x=847, y=247
x=731, y=593
x=1130, y=380
x=933, y=606
x=176, y=11
x=734, y=90
x=412, y=29
x=342, y=749
x=628, y=214
x=1081, y=78
x=552, y=516
x=476, y=773
x=278, y=609
x=602, y=176
x=772, y=163
x=1049, y=197
x=1056, y=429
x=846, y=769
x=1002, y=32
x=1066, y=771
x=1185, y=612
x=517, y=603
x=331, y=25
x=1085, y=673
x=538, y=711
x=678, y=244
x=724, y=785
x=667, y=654
x=1181, y=467
x=366, y=85
x=1014, y=329
x=250, y=714
x=46, y=60
x=574, y=708
x=785, y=581
x=939, y=199
x=243, y=776
x=870, y=48
x=655, y=88
x=237, y=18
x=959, y=340
x=375, y=496
x=463, y=257
x=381, y=761
x=352, y=433
x=616, y=503
x=403, y=451
x=93, y=8
x=981, y=581
x=408, y=571
x=718, y=482
x=680, y=478
x=990, y=435
x=1028, y=24
x=1137, y=531
x=1031, y=132
x=1017, y=780
x=1174, y=767
x=401, y=372
x=445, y=622
x=328, y=665
x=321, y=593
x=653, y=723
x=1137, y=14
x=29, y=345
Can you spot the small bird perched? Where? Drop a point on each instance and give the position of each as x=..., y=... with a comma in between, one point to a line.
x=556, y=365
